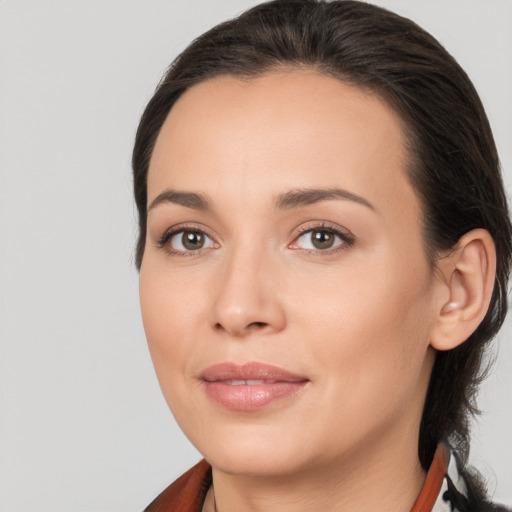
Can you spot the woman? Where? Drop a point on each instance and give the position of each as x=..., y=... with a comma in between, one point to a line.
x=324, y=251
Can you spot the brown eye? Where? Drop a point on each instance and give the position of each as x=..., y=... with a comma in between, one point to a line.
x=190, y=240
x=322, y=239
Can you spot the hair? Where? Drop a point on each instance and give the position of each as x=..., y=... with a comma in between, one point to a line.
x=454, y=166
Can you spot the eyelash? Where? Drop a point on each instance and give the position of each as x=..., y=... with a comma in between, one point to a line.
x=347, y=239
x=163, y=241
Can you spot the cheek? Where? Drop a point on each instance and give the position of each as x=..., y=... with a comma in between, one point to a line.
x=369, y=331
x=170, y=309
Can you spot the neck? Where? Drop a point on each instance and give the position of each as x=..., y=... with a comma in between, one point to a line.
x=384, y=475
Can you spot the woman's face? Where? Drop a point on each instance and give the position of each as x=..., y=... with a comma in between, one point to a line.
x=285, y=292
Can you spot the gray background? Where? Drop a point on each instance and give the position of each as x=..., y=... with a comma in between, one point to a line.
x=83, y=426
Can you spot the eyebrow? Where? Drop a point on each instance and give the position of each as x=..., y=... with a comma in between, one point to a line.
x=292, y=199
x=187, y=199
x=303, y=197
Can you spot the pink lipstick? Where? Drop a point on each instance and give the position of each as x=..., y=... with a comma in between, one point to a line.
x=250, y=386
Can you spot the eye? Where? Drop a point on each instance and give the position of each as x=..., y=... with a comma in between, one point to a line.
x=187, y=240
x=321, y=239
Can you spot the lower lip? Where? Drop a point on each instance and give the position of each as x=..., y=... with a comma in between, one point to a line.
x=250, y=397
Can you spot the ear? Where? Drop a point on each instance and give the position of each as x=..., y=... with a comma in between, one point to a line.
x=466, y=280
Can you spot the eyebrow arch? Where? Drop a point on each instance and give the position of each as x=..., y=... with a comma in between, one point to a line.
x=303, y=197
x=187, y=199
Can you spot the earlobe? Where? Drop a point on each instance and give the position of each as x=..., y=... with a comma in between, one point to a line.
x=467, y=275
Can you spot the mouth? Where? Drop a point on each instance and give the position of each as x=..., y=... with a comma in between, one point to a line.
x=250, y=386
x=251, y=382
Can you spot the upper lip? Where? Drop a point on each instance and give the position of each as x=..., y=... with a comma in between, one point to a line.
x=248, y=371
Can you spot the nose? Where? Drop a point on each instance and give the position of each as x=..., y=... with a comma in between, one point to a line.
x=246, y=299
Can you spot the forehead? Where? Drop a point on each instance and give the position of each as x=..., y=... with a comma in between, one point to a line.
x=280, y=130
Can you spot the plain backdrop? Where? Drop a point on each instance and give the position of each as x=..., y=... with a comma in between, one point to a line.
x=83, y=426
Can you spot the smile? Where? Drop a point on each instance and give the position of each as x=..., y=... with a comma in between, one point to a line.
x=251, y=386
x=249, y=382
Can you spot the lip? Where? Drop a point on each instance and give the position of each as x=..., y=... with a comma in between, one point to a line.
x=250, y=386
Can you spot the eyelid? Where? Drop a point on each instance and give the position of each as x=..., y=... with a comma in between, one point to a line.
x=347, y=237
x=162, y=242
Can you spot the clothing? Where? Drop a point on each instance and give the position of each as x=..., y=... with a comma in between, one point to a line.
x=443, y=491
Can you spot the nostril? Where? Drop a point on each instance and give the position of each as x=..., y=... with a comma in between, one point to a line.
x=257, y=324
x=249, y=327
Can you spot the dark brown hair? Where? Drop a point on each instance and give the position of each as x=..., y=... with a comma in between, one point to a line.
x=454, y=165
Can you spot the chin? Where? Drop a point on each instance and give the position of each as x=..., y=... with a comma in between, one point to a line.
x=254, y=464
x=249, y=451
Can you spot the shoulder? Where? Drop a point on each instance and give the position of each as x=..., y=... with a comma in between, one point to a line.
x=187, y=493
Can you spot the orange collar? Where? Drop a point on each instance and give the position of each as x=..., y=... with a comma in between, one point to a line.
x=434, y=481
x=187, y=494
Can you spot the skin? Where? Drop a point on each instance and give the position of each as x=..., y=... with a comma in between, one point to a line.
x=357, y=321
